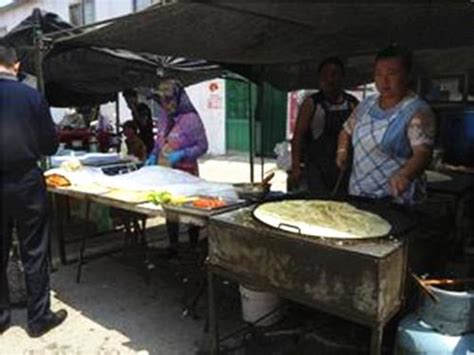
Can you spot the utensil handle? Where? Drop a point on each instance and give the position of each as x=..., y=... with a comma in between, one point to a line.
x=425, y=288
x=289, y=226
x=338, y=183
x=267, y=178
x=436, y=282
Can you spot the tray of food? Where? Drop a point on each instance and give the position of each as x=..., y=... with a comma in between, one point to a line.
x=204, y=205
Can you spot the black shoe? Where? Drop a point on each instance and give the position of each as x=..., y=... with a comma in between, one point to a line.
x=52, y=321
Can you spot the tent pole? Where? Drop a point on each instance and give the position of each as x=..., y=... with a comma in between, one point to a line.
x=38, y=62
x=251, y=131
x=117, y=114
x=117, y=123
x=261, y=103
x=38, y=47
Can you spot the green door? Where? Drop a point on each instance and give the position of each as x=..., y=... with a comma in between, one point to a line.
x=239, y=97
x=273, y=119
x=270, y=125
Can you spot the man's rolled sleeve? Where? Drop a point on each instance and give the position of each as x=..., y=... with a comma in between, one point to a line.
x=351, y=122
x=422, y=129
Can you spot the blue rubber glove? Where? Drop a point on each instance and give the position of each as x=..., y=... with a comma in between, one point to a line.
x=151, y=160
x=175, y=157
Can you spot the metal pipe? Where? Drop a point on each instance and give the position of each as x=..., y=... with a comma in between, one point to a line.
x=38, y=47
x=261, y=100
x=213, y=326
x=38, y=63
x=251, y=132
x=90, y=25
x=117, y=114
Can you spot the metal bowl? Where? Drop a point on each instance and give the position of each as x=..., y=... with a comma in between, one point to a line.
x=251, y=191
x=453, y=313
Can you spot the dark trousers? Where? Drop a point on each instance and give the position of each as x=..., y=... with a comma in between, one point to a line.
x=24, y=201
x=173, y=233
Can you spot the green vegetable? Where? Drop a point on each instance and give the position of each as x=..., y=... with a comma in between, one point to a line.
x=160, y=197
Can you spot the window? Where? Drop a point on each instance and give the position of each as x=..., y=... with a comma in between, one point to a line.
x=449, y=88
x=82, y=13
x=139, y=5
x=470, y=86
x=75, y=15
x=89, y=11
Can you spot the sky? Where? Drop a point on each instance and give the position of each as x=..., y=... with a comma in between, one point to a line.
x=4, y=2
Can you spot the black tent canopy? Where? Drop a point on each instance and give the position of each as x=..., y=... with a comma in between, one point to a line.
x=277, y=42
x=85, y=75
x=282, y=42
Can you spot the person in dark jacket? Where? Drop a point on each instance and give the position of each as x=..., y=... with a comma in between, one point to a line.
x=27, y=132
x=144, y=124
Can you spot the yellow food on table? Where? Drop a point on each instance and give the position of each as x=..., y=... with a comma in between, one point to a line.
x=179, y=200
x=165, y=197
x=128, y=196
x=71, y=165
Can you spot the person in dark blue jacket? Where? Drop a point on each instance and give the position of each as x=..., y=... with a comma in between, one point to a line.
x=27, y=132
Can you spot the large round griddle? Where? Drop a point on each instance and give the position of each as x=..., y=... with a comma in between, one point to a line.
x=300, y=226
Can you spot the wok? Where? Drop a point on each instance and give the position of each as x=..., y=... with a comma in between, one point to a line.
x=252, y=191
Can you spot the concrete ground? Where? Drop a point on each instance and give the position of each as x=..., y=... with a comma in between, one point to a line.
x=113, y=311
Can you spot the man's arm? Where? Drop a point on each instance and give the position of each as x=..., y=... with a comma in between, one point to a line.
x=344, y=141
x=47, y=134
x=343, y=149
x=421, y=133
x=301, y=128
x=413, y=167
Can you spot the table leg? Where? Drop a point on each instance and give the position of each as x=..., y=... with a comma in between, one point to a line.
x=59, y=214
x=213, y=326
x=83, y=243
x=376, y=340
x=190, y=306
x=140, y=232
x=127, y=236
x=460, y=238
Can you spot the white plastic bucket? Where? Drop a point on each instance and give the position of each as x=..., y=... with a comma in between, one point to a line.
x=256, y=304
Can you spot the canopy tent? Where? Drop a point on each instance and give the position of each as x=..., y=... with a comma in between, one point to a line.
x=282, y=42
x=76, y=76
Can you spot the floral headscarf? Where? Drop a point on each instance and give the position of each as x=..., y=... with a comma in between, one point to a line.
x=172, y=91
